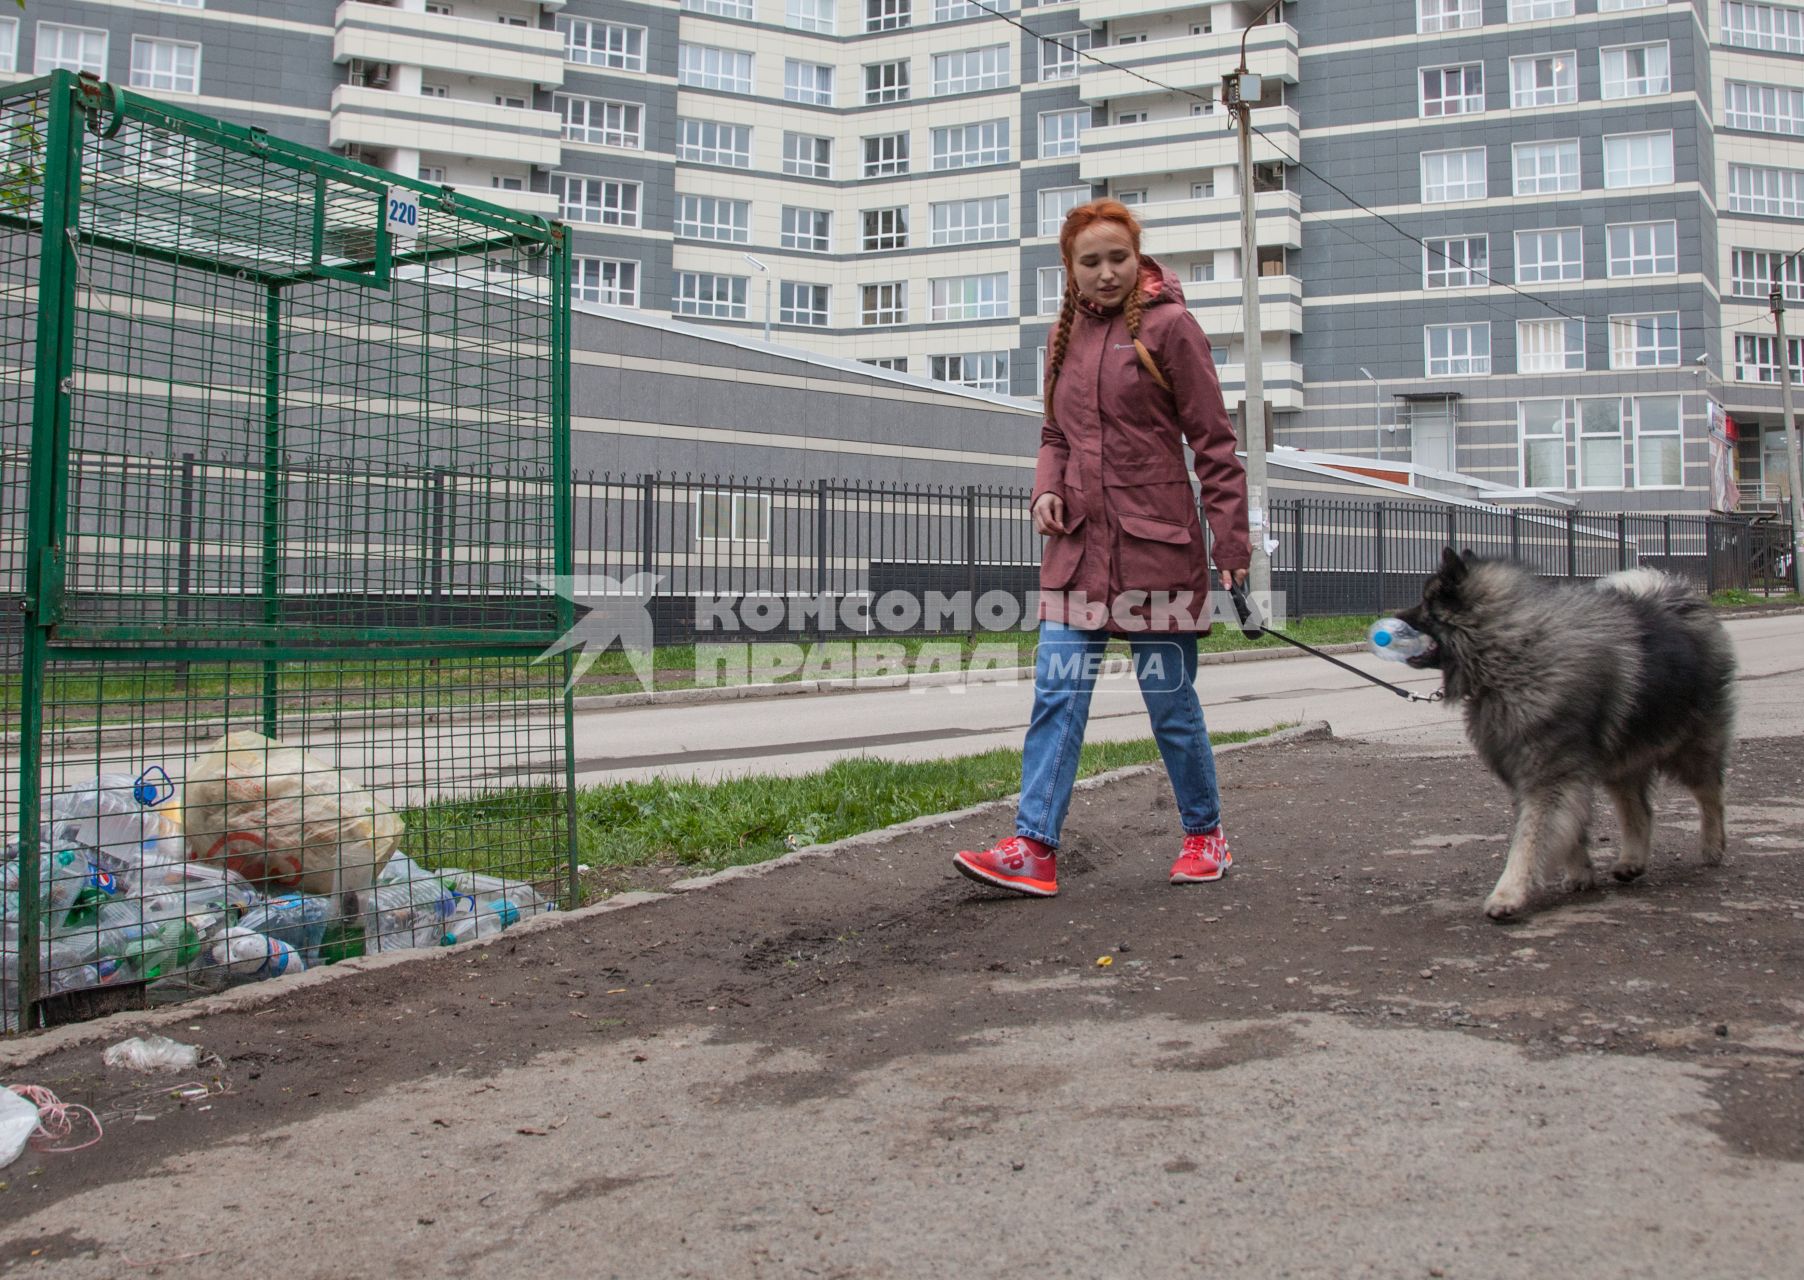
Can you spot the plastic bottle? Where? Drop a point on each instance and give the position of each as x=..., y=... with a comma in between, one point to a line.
x=245, y=953
x=343, y=940
x=1396, y=641
x=480, y=921
x=299, y=919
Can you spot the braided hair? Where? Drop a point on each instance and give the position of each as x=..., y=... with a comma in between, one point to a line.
x=1078, y=221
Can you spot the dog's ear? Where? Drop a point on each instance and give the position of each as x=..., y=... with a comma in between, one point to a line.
x=1452, y=567
x=1469, y=556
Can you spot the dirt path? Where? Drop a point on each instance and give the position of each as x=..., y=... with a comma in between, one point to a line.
x=1330, y=1064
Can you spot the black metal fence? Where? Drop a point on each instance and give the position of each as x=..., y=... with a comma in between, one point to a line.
x=826, y=555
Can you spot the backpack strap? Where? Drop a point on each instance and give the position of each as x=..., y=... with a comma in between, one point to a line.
x=1149, y=364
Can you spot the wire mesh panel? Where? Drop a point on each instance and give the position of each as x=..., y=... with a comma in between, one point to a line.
x=285, y=467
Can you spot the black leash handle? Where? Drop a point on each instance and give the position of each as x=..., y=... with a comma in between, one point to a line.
x=1252, y=626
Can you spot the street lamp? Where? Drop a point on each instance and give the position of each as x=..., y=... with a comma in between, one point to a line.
x=1777, y=301
x=1239, y=91
x=766, y=273
x=1377, y=414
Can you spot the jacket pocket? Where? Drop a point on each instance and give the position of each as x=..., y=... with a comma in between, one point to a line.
x=1064, y=552
x=1155, y=555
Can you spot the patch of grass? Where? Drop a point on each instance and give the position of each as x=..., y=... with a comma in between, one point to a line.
x=754, y=819
x=1737, y=599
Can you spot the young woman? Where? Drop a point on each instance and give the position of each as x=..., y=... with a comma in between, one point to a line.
x=1129, y=380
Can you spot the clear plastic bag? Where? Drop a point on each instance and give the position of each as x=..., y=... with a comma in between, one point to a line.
x=152, y=1053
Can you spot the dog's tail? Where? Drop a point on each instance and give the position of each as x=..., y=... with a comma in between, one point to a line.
x=1672, y=593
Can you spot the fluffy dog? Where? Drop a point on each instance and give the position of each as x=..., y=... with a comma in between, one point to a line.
x=1566, y=686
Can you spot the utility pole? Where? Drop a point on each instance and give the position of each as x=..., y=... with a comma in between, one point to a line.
x=765, y=271
x=1777, y=299
x=1240, y=90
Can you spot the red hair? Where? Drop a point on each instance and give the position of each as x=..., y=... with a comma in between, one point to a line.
x=1078, y=221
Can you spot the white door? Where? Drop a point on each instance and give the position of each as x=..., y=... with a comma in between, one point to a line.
x=1431, y=437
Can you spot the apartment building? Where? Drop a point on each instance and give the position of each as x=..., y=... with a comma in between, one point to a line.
x=1526, y=241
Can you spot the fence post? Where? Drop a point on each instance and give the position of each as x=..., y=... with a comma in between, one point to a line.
x=1515, y=534
x=1666, y=539
x=1571, y=544
x=648, y=521
x=1378, y=552
x=971, y=551
x=1622, y=540
x=1296, y=558
x=1709, y=556
x=1453, y=527
x=435, y=567
x=820, y=543
x=185, y=550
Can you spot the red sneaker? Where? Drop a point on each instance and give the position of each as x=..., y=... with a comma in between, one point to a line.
x=1017, y=864
x=1205, y=858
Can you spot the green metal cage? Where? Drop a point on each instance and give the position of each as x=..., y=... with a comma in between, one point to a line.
x=284, y=450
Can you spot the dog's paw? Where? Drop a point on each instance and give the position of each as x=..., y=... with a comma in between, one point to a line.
x=1500, y=908
x=1713, y=855
x=1579, y=881
x=1626, y=871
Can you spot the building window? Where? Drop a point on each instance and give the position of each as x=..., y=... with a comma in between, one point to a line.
x=713, y=297
x=1779, y=28
x=609, y=281
x=886, y=82
x=708, y=142
x=810, y=230
x=1539, y=10
x=970, y=221
x=1542, y=428
x=1550, y=346
x=1130, y=117
x=607, y=124
x=953, y=10
x=981, y=371
x=712, y=218
x=982, y=297
x=507, y=182
x=1543, y=257
x=183, y=4
x=1136, y=196
x=1544, y=167
x=1636, y=70
x=1776, y=192
x=1453, y=91
x=1448, y=15
x=1645, y=341
x=888, y=15
x=511, y=100
x=1051, y=290
x=1764, y=108
x=802, y=304
x=1544, y=80
x=166, y=66
x=603, y=44
x=969, y=145
x=1457, y=350
x=807, y=156
x=1756, y=359
x=1618, y=6
x=1456, y=262
x=1055, y=203
x=62, y=48
x=723, y=515
x=886, y=155
x=884, y=229
x=1659, y=442
x=896, y=364
x=1643, y=248
x=9, y=44
x=434, y=91
x=1752, y=272
x=1130, y=37
x=883, y=303
x=1453, y=175
x=741, y=9
x=1600, y=443
x=1061, y=55
x=810, y=15
x=1203, y=190
x=599, y=200
x=969, y=70
x=1059, y=131
x=807, y=82
x=1638, y=160
x=701, y=66
x=433, y=173
x=1202, y=272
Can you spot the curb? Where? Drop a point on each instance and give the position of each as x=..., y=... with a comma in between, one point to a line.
x=19, y=1052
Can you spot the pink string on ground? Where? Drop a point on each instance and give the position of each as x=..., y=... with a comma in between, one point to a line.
x=55, y=1119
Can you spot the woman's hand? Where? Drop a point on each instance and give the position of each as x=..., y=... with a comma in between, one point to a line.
x=1229, y=581
x=1049, y=514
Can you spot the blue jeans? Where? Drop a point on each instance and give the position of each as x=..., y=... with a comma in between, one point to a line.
x=1064, y=677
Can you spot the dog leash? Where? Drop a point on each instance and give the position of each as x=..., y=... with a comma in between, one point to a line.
x=1252, y=627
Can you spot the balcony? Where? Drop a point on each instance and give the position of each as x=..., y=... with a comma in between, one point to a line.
x=543, y=204
x=1183, y=145
x=1173, y=228
x=1216, y=306
x=1189, y=62
x=1096, y=12
x=378, y=118
x=375, y=33
x=1283, y=384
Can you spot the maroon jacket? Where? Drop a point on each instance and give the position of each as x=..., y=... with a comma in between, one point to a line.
x=1113, y=448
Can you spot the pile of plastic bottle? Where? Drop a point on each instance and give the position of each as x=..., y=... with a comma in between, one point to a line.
x=121, y=903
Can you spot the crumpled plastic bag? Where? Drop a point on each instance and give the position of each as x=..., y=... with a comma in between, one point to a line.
x=275, y=813
x=150, y=1053
x=18, y=1121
